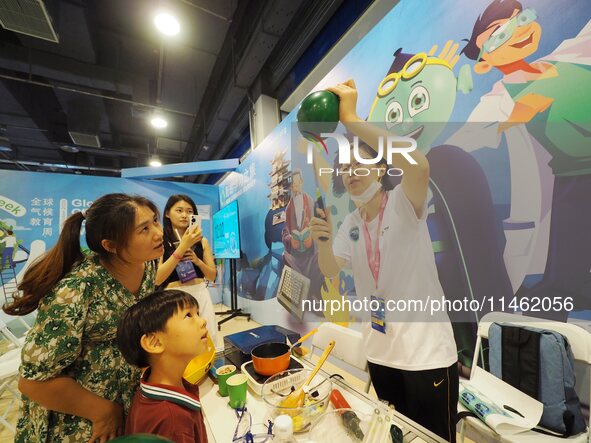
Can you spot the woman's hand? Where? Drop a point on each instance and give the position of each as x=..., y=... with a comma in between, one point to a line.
x=320, y=227
x=190, y=254
x=190, y=238
x=107, y=423
x=347, y=93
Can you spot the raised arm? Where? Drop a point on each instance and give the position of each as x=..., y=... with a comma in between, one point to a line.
x=415, y=180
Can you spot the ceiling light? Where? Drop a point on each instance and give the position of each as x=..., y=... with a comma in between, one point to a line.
x=155, y=162
x=167, y=24
x=70, y=148
x=159, y=122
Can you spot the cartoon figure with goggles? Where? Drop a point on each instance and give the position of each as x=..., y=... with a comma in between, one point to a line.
x=416, y=98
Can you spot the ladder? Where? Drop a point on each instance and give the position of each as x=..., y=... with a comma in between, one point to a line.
x=8, y=282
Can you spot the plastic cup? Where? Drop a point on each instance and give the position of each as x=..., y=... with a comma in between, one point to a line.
x=224, y=373
x=237, y=390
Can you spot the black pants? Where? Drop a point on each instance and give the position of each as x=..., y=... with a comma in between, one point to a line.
x=428, y=397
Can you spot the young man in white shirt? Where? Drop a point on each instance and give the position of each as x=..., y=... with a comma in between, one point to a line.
x=9, y=245
x=386, y=243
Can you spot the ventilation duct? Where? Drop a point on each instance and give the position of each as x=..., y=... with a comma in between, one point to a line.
x=29, y=17
x=82, y=139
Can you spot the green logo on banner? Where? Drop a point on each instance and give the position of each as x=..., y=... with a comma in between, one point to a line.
x=12, y=207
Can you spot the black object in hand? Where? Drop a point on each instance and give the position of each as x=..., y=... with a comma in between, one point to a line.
x=319, y=204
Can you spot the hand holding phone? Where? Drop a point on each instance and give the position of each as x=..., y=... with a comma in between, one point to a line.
x=195, y=221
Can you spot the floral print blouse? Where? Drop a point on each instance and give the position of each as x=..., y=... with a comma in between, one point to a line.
x=75, y=335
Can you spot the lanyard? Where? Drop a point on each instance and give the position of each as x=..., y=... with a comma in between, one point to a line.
x=375, y=259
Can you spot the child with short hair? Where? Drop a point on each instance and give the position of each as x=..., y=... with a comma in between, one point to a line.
x=164, y=332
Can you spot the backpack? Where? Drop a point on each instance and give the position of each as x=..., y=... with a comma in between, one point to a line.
x=540, y=363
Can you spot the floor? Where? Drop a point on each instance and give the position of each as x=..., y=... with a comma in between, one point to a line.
x=238, y=324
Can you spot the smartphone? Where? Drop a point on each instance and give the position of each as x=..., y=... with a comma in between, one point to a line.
x=319, y=204
x=195, y=220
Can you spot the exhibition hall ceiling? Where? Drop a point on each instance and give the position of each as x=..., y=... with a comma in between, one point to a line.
x=82, y=80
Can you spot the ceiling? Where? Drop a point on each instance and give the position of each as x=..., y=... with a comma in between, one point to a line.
x=97, y=88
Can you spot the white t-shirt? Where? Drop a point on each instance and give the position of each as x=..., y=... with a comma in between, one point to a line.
x=9, y=241
x=407, y=271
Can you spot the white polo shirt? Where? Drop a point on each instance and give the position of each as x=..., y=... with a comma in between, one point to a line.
x=414, y=341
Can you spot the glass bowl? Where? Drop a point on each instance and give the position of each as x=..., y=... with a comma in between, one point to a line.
x=280, y=385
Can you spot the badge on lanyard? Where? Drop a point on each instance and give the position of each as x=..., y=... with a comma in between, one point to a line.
x=378, y=314
x=378, y=305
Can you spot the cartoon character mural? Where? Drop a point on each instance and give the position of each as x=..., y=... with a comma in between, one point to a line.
x=300, y=250
x=416, y=98
x=258, y=276
x=542, y=110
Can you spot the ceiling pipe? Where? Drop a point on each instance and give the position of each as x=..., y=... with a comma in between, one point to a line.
x=160, y=73
x=60, y=166
x=207, y=11
x=93, y=94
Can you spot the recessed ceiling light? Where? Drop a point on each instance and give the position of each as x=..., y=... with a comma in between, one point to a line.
x=167, y=24
x=155, y=162
x=70, y=148
x=159, y=122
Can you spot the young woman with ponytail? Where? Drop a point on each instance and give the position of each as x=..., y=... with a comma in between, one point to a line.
x=75, y=382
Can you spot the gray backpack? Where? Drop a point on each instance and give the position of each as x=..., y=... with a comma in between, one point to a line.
x=539, y=363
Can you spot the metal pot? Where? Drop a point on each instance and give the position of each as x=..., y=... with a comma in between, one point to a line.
x=271, y=358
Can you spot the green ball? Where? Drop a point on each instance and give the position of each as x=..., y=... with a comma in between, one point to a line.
x=140, y=438
x=319, y=112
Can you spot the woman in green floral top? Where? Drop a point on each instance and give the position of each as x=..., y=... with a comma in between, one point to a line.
x=76, y=385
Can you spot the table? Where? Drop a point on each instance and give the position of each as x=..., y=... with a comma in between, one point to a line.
x=220, y=419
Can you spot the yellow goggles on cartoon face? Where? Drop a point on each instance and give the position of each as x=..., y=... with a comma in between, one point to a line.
x=411, y=69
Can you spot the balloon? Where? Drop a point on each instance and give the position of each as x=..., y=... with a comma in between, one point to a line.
x=319, y=112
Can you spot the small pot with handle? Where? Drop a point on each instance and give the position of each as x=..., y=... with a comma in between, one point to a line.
x=271, y=358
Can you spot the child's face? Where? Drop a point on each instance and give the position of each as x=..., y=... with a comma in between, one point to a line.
x=185, y=333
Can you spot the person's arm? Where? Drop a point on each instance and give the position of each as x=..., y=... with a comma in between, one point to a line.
x=526, y=108
x=320, y=226
x=207, y=265
x=165, y=267
x=66, y=395
x=415, y=180
x=54, y=343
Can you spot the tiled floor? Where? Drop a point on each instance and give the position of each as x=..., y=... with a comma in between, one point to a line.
x=238, y=324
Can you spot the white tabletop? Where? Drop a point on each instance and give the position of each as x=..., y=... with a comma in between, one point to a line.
x=221, y=419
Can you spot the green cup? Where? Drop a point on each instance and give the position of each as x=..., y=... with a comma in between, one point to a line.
x=224, y=373
x=237, y=390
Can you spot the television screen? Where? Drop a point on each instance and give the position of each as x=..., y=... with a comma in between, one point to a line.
x=226, y=232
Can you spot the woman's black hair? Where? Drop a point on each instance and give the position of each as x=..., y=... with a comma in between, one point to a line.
x=169, y=234
x=148, y=315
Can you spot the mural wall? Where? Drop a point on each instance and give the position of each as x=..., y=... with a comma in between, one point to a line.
x=497, y=95
x=34, y=205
